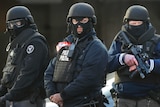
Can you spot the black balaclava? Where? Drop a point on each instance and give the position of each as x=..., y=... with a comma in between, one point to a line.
x=15, y=31
x=137, y=31
x=87, y=27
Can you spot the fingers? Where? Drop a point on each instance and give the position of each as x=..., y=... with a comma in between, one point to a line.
x=130, y=60
x=132, y=68
x=60, y=104
x=135, y=61
x=56, y=98
x=53, y=99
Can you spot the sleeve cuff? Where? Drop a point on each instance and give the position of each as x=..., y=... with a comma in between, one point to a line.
x=8, y=96
x=121, y=58
x=63, y=95
x=3, y=98
x=151, y=61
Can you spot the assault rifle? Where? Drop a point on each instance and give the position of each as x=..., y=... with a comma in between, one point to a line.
x=143, y=67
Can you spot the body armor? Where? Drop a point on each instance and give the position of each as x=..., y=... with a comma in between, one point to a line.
x=62, y=67
x=15, y=50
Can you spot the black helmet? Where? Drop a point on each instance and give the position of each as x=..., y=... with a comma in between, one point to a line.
x=82, y=10
x=19, y=12
x=18, y=18
x=136, y=12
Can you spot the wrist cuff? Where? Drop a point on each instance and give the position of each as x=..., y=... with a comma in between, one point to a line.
x=151, y=61
x=121, y=58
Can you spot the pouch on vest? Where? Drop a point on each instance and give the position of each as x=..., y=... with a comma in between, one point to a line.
x=9, y=73
x=15, y=54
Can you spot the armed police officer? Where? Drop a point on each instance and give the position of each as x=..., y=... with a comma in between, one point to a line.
x=28, y=56
x=137, y=63
x=75, y=77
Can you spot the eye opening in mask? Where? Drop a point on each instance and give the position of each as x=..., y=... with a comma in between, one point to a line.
x=135, y=22
x=82, y=20
x=18, y=23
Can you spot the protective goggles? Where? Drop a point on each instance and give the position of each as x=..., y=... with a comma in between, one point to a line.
x=18, y=23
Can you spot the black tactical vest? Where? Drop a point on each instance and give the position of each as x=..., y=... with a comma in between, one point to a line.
x=66, y=67
x=16, y=50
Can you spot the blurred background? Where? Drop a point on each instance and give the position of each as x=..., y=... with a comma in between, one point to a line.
x=50, y=17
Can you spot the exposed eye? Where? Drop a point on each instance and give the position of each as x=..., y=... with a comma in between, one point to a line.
x=84, y=20
x=135, y=23
x=74, y=21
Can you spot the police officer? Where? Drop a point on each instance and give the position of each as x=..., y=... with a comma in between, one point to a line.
x=134, y=90
x=28, y=56
x=74, y=78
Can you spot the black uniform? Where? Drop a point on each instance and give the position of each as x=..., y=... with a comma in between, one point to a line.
x=135, y=90
x=78, y=73
x=86, y=74
x=28, y=56
x=26, y=62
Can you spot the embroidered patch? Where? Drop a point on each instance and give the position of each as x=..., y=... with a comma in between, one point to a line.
x=30, y=49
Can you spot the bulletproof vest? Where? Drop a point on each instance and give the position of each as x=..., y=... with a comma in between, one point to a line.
x=16, y=51
x=65, y=67
x=148, y=47
x=63, y=63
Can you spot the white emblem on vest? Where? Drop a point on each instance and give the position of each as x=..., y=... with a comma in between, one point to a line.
x=63, y=56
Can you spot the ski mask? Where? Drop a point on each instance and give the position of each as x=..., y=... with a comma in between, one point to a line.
x=137, y=31
x=87, y=27
x=15, y=27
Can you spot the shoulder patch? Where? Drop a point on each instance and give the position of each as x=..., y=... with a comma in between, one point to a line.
x=30, y=49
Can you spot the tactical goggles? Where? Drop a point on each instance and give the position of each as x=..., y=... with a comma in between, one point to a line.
x=15, y=23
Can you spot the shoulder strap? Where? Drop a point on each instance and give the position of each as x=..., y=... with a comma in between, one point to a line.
x=91, y=41
x=85, y=47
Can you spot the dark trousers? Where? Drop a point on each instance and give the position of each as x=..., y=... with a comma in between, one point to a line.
x=26, y=103
x=97, y=102
x=146, y=102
